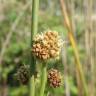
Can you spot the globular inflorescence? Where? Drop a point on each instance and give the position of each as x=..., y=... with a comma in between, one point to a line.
x=23, y=74
x=54, y=78
x=46, y=45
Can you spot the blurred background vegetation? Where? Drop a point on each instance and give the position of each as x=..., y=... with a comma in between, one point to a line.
x=15, y=30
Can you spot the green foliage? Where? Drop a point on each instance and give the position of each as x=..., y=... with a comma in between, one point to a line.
x=18, y=51
x=20, y=91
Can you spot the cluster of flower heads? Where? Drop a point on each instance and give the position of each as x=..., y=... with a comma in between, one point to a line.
x=54, y=78
x=46, y=45
x=23, y=74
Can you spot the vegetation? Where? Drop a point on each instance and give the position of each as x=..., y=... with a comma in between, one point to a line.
x=28, y=25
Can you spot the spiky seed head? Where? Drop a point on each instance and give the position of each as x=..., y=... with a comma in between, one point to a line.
x=23, y=74
x=46, y=45
x=54, y=78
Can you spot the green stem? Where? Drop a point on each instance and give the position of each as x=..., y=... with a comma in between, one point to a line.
x=34, y=28
x=32, y=86
x=35, y=7
x=43, y=80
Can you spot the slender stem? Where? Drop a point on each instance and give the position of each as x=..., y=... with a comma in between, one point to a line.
x=74, y=45
x=43, y=80
x=34, y=28
x=35, y=7
x=32, y=86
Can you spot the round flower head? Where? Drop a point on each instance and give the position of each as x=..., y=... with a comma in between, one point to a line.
x=46, y=45
x=23, y=74
x=54, y=78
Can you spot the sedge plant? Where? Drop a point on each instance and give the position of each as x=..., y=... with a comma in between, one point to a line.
x=46, y=46
x=43, y=49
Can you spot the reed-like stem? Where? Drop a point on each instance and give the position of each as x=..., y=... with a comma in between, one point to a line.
x=73, y=43
x=34, y=28
x=43, y=80
x=32, y=86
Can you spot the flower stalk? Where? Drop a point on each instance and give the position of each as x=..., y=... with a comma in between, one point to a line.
x=43, y=80
x=32, y=86
x=34, y=28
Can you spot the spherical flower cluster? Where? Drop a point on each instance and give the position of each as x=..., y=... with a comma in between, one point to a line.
x=46, y=45
x=54, y=78
x=23, y=74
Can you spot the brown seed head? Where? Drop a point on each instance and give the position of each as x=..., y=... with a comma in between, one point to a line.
x=54, y=78
x=23, y=74
x=46, y=45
